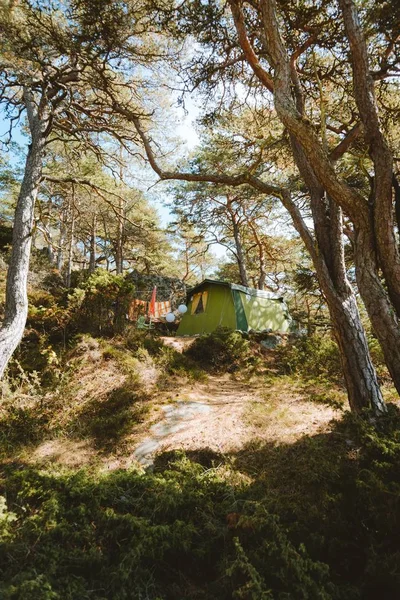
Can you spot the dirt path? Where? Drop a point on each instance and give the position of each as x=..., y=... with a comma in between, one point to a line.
x=210, y=415
x=222, y=414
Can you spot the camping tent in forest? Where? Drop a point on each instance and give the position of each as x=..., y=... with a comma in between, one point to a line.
x=219, y=303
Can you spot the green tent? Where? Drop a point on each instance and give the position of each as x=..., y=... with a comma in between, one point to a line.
x=219, y=303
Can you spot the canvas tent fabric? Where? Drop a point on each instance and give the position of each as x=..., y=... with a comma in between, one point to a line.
x=218, y=303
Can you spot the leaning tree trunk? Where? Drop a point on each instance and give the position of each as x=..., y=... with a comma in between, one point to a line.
x=379, y=151
x=327, y=253
x=383, y=318
x=16, y=307
x=359, y=373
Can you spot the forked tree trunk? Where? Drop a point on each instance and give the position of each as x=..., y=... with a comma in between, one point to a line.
x=379, y=151
x=16, y=307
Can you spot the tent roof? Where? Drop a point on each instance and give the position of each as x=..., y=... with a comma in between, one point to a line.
x=234, y=286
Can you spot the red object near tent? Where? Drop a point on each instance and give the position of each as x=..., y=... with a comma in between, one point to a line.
x=152, y=305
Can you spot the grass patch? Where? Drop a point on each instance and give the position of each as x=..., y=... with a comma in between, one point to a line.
x=109, y=420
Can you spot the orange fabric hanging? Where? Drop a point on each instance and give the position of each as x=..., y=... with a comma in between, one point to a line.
x=152, y=305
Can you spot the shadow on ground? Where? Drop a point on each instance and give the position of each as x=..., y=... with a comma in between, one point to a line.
x=316, y=519
x=109, y=419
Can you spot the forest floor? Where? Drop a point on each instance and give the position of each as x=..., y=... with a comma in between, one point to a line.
x=136, y=465
x=220, y=413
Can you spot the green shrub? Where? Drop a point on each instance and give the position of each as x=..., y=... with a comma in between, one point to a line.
x=311, y=357
x=317, y=519
x=156, y=536
x=223, y=349
x=99, y=304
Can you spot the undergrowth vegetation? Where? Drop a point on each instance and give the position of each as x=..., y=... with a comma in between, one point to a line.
x=318, y=519
x=310, y=356
x=222, y=350
x=314, y=519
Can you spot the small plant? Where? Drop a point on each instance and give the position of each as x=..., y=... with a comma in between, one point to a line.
x=223, y=349
x=311, y=357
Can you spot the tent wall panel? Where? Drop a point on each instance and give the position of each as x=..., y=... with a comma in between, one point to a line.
x=265, y=313
x=219, y=311
x=232, y=306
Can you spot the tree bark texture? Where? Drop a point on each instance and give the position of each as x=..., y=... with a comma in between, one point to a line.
x=16, y=307
x=383, y=318
x=380, y=153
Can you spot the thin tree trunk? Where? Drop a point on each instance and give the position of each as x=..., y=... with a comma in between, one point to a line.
x=16, y=307
x=92, y=258
x=239, y=252
x=119, y=259
x=70, y=248
x=261, y=256
x=60, y=251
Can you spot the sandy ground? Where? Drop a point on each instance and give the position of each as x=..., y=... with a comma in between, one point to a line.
x=220, y=414
x=223, y=413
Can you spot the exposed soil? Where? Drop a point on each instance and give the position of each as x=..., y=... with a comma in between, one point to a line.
x=221, y=414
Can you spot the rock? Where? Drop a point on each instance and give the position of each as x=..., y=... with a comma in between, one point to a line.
x=271, y=341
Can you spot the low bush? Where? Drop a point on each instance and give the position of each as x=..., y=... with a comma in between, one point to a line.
x=184, y=533
x=311, y=357
x=317, y=519
x=223, y=349
x=100, y=303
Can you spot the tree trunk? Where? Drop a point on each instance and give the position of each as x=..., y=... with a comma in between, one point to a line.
x=379, y=151
x=261, y=256
x=384, y=320
x=92, y=258
x=359, y=373
x=300, y=130
x=119, y=259
x=361, y=382
x=239, y=252
x=16, y=307
x=60, y=251
x=70, y=249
